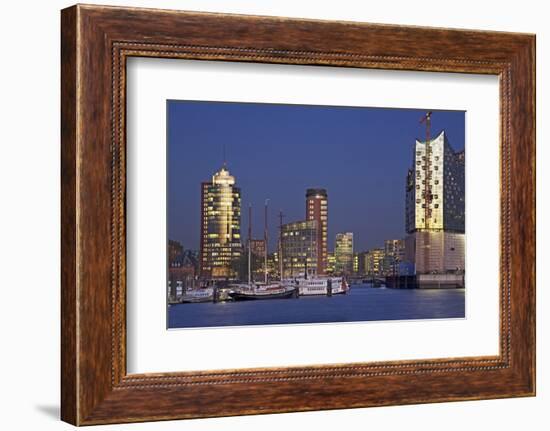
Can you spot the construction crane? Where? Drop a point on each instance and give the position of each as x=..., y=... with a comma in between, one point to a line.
x=427, y=196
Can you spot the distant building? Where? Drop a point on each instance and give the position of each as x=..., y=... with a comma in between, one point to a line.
x=343, y=252
x=435, y=208
x=362, y=263
x=355, y=263
x=273, y=265
x=394, y=254
x=220, y=226
x=395, y=248
x=175, y=250
x=182, y=272
x=317, y=209
x=299, y=248
x=374, y=262
x=257, y=246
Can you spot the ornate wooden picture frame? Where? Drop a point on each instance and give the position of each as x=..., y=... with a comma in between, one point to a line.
x=96, y=41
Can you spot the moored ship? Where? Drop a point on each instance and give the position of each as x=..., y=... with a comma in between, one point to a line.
x=198, y=295
x=265, y=290
x=322, y=286
x=271, y=291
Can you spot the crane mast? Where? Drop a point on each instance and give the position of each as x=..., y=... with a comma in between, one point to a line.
x=427, y=195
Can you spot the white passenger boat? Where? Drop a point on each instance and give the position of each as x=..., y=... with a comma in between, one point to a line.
x=322, y=286
x=198, y=295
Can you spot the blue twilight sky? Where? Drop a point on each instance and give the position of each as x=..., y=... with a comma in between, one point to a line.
x=275, y=151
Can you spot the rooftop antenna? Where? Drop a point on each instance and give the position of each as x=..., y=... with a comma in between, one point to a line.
x=224, y=157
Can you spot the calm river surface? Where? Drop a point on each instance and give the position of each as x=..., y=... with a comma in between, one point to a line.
x=362, y=303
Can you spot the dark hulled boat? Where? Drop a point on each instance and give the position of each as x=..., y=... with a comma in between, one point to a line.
x=244, y=293
x=255, y=291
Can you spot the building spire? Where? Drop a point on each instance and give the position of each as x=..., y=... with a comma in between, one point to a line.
x=224, y=157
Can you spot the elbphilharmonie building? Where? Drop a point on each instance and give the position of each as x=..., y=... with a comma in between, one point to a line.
x=435, y=208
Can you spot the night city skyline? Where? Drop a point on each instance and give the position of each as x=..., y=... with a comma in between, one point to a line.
x=276, y=152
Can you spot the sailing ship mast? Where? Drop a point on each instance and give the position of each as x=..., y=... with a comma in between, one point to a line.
x=249, y=244
x=281, y=245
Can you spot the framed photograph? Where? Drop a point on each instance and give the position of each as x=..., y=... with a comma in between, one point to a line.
x=267, y=215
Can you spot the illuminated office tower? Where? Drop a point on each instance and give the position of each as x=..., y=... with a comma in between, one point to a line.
x=374, y=261
x=343, y=252
x=299, y=248
x=435, y=207
x=220, y=226
x=317, y=209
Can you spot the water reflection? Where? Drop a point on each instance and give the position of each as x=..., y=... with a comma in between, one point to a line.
x=363, y=303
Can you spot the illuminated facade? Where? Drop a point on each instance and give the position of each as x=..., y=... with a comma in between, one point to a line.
x=317, y=209
x=299, y=245
x=394, y=253
x=435, y=200
x=273, y=265
x=331, y=263
x=343, y=252
x=220, y=226
x=257, y=247
x=374, y=261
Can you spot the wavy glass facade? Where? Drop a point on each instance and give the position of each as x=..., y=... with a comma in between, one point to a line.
x=435, y=207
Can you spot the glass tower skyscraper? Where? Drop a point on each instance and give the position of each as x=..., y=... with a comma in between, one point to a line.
x=220, y=225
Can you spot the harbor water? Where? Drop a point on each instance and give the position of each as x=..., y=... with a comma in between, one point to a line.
x=362, y=303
